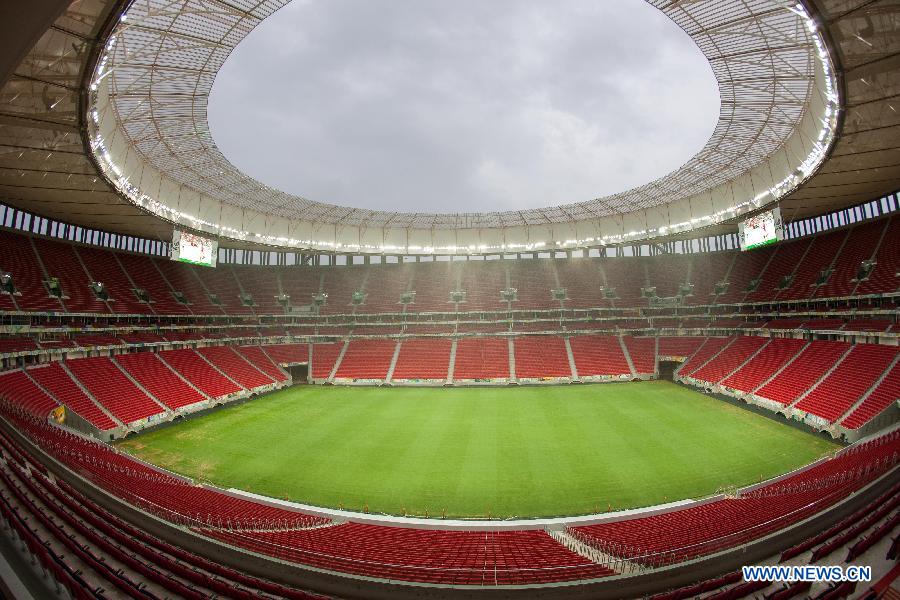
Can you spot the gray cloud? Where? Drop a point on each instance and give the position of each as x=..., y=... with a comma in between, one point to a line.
x=436, y=106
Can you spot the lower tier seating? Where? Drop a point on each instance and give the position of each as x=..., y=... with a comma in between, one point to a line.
x=109, y=385
x=538, y=357
x=599, y=355
x=430, y=556
x=423, y=359
x=57, y=382
x=367, y=359
x=807, y=368
x=234, y=366
x=158, y=379
x=481, y=358
x=852, y=378
x=192, y=367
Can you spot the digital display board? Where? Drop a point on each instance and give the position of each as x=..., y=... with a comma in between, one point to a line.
x=761, y=230
x=194, y=249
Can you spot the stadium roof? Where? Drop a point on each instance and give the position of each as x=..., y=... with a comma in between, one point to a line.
x=157, y=73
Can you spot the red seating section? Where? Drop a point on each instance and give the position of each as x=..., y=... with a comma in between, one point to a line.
x=192, y=367
x=481, y=358
x=799, y=376
x=56, y=381
x=643, y=353
x=709, y=348
x=679, y=346
x=726, y=362
x=885, y=394
x=367, y=359
x=765, y=364
x=288, y=354
x=159, y=379
x=684, y=534
x=853, y=377
x=423, y=359
x=426, y=555
x=323, y=358
x=19, y=259
x=234, y=366
x=16, y=387
x=259, y=359
x=598, y=355
x=113, y=389
x=541, y=356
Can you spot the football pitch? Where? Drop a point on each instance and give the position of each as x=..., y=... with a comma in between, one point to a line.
x=482, y=452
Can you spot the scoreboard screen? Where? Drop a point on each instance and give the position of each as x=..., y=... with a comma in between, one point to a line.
x=761, y=230
x=194, y=249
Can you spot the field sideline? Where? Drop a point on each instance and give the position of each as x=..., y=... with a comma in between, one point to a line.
x=482, y=452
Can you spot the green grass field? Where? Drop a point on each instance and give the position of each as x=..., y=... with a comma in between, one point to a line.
x=478, y=452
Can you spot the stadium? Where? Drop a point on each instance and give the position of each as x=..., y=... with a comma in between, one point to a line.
x=211, y=387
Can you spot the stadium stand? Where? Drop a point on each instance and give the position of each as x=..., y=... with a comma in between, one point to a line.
x=803, y=373
x=367, y=359
x=883, y=395
x=199, y=372
x=57, y=382
x=856, y=373
x=21, y=390
x=599, y=355
x=159, y=379
x=481, y=358
x=423, y=359
x=725, y=363
x=234, y=366
x=259, y=359
x=777, y=353
x=109, y=386
x=538, y=357
x=710, y=348
x=287, y=354
x=643, y=353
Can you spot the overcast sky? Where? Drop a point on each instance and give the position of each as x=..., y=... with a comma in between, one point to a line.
x=463, y=105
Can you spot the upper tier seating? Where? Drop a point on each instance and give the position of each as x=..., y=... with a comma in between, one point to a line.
x=598, y=355
x=199, y=372
x=423, y=359
x=61, y=262
x=159, y=379
x=147, y=277
x=797, y=265
x=55, y=380
x=18, y=259
x=104, y=267
x=887, y=264
x=17, y=344
x=481, y=358
x=806, y=369
x=853, y=377
x=764, y=365
x=234, y=366
x=367, y=359
x=541, y=356
x=726, y=362
x=109, y=386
